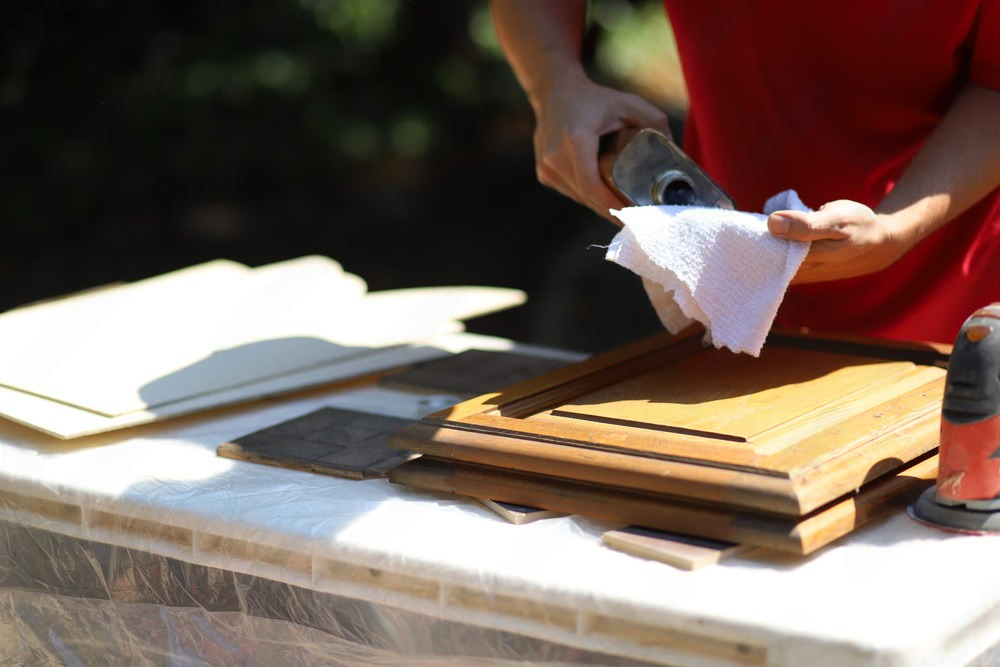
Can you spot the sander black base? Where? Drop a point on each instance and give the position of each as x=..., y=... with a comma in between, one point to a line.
x=971, y=517
x=966, y=498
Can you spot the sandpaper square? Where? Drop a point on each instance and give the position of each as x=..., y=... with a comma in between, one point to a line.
x=687, y=552
x=474, y=372
x=343, y=443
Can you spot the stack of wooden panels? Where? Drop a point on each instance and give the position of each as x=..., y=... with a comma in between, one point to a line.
x=789, y=450
x=215, y=334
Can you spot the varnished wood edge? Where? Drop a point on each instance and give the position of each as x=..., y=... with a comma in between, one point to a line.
x=625, y=440
x=547, y=390
x=839, y=518
x=589, y=465
x=795, y=497
x=923, y=353
x=444, y=430
x=863, y=423
x=798, y=536
x=531, y=396
x=598, y=502
x=922, y=436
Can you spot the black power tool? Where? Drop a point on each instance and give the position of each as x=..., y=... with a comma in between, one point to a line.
x=966, y=497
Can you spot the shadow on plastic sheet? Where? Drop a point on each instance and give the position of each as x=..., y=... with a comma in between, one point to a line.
x=244, y=366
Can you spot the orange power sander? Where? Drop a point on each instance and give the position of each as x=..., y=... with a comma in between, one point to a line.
x=966, y=497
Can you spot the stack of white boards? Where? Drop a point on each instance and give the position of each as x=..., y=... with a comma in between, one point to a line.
x=215, y=334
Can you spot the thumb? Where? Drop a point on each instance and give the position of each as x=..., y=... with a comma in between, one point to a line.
x=642, y=114
x=802, y=226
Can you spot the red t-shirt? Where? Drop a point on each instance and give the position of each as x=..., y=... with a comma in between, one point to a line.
x=833, y=99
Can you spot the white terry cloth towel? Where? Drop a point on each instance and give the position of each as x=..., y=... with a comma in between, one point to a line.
x=719, y=267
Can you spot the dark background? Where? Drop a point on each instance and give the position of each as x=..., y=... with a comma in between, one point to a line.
x=141, y=137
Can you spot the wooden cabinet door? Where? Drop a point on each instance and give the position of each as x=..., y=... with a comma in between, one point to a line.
x=808, y=421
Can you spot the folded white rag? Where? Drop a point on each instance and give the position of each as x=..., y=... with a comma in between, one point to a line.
x=719, y=267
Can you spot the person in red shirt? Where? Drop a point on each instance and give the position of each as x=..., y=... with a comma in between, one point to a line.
x=884, y=116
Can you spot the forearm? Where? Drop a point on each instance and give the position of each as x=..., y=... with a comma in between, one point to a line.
x=958, y=165
x=542, y=41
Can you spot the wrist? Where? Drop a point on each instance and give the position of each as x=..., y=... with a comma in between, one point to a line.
x=909, y=225
x=894, y=236
x=560, y=75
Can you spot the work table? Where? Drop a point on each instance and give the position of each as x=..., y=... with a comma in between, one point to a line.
x=893, y=593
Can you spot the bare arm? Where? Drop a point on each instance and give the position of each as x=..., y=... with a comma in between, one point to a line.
x=542, y=40
x=958, y=165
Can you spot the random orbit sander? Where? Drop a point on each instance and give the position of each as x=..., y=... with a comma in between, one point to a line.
x=966, y=497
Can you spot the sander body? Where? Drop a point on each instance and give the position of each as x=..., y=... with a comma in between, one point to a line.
x=966, y=497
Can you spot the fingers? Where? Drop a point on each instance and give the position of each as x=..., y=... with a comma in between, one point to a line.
x=590, y=186
x=847, y=239
x=796, y=226
x=571, y=168
x=643, y=114
x=834, y=221
x=567, y=137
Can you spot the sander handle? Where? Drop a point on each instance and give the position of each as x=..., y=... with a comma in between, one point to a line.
x=643, y=167
x=609, y=148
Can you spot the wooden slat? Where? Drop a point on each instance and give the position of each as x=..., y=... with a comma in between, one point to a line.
x=892, y=491
x=535, y=395
x=859, y=467
x=925, y=353
x=616, y=505
x=515, y=513
x=798, y=536
x=681, y=551
x=735, y=394
x=863, y=430
x=622, y=437
x=793, y=431
x=686, y=479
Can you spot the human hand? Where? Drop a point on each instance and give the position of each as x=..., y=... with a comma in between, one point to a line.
x=571, y=119
x=848, y=239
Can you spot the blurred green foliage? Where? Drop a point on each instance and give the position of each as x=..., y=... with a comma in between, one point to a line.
x=638, y=50
x=108, y=102
x=139, y=137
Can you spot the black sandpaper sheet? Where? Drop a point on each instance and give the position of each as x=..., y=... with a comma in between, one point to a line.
x=473, y=372
x=355, y=445
x=331, y=441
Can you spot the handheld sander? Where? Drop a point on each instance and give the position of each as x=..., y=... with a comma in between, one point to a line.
x=966, y=497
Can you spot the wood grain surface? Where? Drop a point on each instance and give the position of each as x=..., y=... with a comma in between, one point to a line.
x=804, y=424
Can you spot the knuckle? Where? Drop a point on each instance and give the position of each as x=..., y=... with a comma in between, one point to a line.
x=546, y=176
